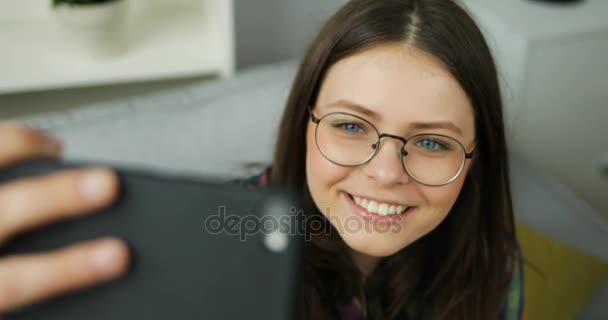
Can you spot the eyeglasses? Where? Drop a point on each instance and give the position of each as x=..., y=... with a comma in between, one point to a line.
x=349, y=140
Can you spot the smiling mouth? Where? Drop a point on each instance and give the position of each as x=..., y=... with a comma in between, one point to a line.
x=379, y=208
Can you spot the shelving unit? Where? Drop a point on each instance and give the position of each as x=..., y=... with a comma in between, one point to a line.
x=165, y=39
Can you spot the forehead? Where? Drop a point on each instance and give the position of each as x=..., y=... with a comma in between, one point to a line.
x=400, y=83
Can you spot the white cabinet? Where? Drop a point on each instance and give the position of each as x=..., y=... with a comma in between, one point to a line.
x=553, y=64
x=165, y=39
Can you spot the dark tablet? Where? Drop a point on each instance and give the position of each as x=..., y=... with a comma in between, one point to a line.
x=201, y=249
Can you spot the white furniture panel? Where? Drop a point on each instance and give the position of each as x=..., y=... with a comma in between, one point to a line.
x=174, y=38
x=553, y=64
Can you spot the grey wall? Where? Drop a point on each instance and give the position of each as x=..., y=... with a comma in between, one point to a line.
x=271, y=30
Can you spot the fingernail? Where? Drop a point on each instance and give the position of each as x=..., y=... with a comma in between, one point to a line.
x=94, y=185
x=53, y=147
x=105, y=257
x=53, y=144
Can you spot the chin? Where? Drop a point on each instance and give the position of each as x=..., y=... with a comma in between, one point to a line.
x=373, y=244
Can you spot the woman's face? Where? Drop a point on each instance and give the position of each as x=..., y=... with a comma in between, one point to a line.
x=401, y=85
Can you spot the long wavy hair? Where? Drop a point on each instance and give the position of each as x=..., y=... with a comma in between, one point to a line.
x=465, y=276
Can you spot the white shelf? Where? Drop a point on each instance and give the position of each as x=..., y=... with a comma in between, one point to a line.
x=175, y=38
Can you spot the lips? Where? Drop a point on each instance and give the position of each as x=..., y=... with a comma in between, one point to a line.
x=373, y=216
x=380, y=208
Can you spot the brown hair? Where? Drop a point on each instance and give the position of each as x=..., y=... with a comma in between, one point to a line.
x=465, y=277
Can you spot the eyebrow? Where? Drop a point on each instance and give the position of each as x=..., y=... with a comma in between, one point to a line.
x=415, y=125
x=437, y=125
x=356, y=107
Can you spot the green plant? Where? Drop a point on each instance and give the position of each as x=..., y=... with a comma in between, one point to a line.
x=78, y=2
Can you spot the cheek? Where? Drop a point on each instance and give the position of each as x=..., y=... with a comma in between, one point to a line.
x=440, y=200
x=322, y=176
x=446, y=195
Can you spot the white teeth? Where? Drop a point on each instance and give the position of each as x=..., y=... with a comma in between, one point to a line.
x=379, y=208
x=372, y=206
x=392, y=209
x=383, y=209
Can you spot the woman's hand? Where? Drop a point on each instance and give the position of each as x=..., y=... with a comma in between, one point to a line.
x=32, y=202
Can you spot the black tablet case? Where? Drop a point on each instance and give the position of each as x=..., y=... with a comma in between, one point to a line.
x=179, y=269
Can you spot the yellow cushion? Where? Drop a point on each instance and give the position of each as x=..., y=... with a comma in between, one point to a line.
x=559, y=279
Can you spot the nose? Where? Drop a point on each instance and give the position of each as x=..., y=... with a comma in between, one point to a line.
x=386, y=167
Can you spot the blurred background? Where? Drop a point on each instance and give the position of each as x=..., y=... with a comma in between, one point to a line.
x=246, y=33
x=163, y=84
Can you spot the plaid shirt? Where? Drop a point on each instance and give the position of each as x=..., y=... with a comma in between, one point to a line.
x=513, y=306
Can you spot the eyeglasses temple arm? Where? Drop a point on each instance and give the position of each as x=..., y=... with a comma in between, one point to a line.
x=470, y=154
x=312, y=116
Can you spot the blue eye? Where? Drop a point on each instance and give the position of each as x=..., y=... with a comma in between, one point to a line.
x=431, y=145
x=351, y=127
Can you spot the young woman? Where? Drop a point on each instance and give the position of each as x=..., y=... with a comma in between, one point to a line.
x=394, y=135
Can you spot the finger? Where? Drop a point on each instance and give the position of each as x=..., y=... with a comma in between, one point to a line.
x=36, y=201
x=28, y=279
x=18, y=143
